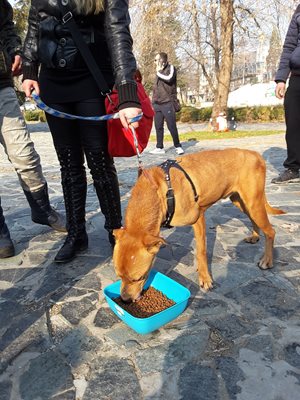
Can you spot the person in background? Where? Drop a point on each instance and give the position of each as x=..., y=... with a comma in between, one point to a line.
x=15, y=139
x=164, y=94
x=289, y=66
x=65, y=83
x=221, y=122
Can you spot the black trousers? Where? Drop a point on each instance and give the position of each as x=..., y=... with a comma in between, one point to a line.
x=75, y=138
x=292, y=118
x=165, y=112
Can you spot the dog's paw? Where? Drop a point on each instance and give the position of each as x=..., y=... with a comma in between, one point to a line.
x=206, y=283
x=265, y=262
x=251, y=239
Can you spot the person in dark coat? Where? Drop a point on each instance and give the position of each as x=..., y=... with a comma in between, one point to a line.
x=289, y=67
x=54, y=67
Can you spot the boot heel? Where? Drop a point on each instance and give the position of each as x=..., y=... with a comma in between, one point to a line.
x=71, y=247
x=83, y=246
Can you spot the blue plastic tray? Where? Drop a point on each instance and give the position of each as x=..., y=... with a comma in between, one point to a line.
x=172, y=289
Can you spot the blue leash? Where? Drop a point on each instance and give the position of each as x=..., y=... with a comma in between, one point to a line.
x=60, y=114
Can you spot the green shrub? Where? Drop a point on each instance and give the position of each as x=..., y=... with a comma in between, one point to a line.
x=42, y=116
x=265, y=113
x=186, y=114
x=32, y=115
x=205, y=114
x=277, y=113
x=241, y=114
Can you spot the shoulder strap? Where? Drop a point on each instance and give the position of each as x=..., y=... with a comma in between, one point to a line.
x=68, y=20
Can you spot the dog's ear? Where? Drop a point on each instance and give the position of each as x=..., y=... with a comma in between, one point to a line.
x=153, y=243
x=118, y=233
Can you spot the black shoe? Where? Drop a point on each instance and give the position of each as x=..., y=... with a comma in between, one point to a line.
x=42, y=212
x=73, y=245
x=6, y=245
x=53, y=219
x=288, y=175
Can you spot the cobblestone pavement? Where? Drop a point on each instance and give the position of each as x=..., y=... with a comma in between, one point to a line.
x=60, y=341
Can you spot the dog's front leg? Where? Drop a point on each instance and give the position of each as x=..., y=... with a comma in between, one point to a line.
x=205, y=279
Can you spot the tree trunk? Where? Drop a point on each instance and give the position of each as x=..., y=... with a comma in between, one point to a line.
x=224, y=76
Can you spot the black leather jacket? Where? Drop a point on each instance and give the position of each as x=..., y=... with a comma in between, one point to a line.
x=10, y=43
x=45, y=31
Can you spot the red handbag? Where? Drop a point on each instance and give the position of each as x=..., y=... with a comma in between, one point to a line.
x=121, y=140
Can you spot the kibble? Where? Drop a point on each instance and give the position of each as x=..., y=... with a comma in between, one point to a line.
x=152, y=301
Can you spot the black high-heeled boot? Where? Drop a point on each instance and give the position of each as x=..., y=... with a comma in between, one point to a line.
x=107, y=188
x=74, y=188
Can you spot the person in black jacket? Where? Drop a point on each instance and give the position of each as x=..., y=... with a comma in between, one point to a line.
x=289, y=66
x=65, y=83
x=164, y=96
x=15, y=138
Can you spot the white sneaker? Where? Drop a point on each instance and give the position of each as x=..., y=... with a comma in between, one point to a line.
x=157, y=151
x=179, y=150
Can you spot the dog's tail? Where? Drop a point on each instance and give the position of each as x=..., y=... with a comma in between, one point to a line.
x=273, y=210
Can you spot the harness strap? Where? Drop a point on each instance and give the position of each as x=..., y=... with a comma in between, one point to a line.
x=170, y=192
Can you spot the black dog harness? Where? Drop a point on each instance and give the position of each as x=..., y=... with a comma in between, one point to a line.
x=170, y=192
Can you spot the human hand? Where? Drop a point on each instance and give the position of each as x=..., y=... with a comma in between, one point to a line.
x=159, y=66
x=280, y=90
x=16, y=66
x=29, y=86
x=126, y=114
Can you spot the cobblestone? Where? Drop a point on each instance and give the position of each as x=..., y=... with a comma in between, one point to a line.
x=241, y=341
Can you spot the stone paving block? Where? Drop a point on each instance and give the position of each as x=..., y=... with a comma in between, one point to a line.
x=105, y=318
x=172, y=354
x=76, y=310
x=260, y=299
x=47, y=377
x=112, y=378
x=80, y=346
x=195, y=376
x=261, y=343
x=232, y=326
x=5, y=390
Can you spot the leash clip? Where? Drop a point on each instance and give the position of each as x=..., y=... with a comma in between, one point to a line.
x=107, y=94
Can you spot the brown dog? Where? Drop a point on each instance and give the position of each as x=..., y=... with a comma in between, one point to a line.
x=217, y=174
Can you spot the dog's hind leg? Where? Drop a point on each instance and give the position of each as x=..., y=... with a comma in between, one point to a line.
x=258, y=214
x=205, y=279
x=238, y=202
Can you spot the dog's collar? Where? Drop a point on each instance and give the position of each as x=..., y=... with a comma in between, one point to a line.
x=170, y=192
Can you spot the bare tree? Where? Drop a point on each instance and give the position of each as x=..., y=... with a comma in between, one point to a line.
x=155, y=28
x=226, y=57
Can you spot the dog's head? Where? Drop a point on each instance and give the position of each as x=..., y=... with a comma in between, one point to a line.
x=133, y=258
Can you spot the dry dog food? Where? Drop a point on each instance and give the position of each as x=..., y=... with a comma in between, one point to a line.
x=151, y=302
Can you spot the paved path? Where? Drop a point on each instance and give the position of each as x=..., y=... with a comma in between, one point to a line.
x=241, y=341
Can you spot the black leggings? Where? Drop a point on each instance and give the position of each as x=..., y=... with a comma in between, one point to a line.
x=78, y=134
x=75, y=138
